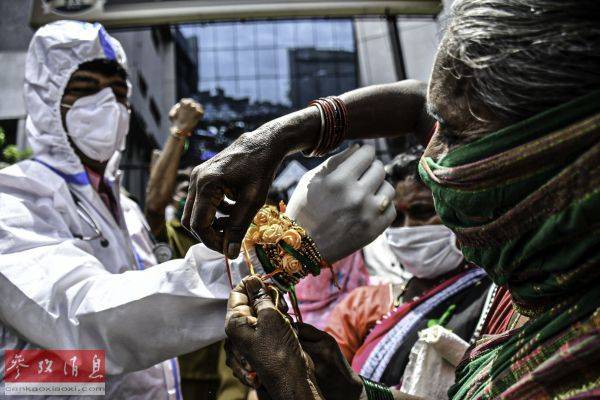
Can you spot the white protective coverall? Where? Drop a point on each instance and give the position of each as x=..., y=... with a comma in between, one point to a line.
x=60, y=292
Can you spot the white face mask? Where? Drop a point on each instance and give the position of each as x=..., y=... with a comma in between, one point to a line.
x=98, y=124
x=425, y=251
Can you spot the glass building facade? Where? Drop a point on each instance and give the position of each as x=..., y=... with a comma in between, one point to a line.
x=255, y=69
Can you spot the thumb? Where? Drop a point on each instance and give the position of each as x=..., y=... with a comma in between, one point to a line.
x=258, y=294
x=242, y=213
x=334, y=161
x=173, y=111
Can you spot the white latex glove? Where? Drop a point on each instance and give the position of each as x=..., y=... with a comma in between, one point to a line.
x=344, y=203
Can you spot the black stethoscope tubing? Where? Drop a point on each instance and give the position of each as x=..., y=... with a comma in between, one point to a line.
x=87, y=218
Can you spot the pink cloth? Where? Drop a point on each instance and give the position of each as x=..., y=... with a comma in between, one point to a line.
x=97, y=182
x=317, y=295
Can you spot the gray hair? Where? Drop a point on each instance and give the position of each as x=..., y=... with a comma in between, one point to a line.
x=520, y=57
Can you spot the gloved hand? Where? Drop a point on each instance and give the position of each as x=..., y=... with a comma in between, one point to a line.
x=185, y=115
x=344, y=203
x=336, y=379
x=265, y=342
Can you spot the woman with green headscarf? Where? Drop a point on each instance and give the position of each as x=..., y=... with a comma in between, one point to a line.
x=513, y=165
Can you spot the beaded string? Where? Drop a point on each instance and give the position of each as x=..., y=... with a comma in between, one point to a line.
x=270, y=255
x=376, y=391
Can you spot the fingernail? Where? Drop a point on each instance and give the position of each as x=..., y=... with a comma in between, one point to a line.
x=233, y=250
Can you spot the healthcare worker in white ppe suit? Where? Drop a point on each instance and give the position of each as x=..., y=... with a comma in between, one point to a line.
x=76, y=262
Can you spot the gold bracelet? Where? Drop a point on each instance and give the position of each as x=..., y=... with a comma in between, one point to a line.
x=285, y=250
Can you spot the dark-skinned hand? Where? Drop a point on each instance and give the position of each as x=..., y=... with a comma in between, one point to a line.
x=241, y=368
x=262, y=341
x=242, y=173
x=336, y=379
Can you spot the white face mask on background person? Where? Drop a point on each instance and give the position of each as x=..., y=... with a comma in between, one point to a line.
x=426, y=251
x=98, y=124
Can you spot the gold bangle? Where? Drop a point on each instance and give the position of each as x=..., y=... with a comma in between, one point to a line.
x=286, y=248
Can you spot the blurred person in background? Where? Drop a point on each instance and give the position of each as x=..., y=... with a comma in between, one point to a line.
x=427, y=251
x=381, y=262
x=165, y=172
x=377, y=327
x=77, y=261
x=375, y=264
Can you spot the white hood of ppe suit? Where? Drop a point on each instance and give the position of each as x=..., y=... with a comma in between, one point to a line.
x=55, y=52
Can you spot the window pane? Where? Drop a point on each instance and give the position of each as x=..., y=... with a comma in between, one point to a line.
x=245, y=38
x=419, y=39
x=205, y=37
x=283, y=64
x=347, y=68
x=225, y=64
x=266, y=63
x=304, y=34
x=246, y=63
x=346, y=83
x=207, y=65
x=285, y=34
x=344, y=35
x=324, y=34
x=247, y=88
x=284, y=91
x=265, y=35
x=206, y=85
x=228, y=86
x=223, y=36
x=327, y=87
x=268, y=90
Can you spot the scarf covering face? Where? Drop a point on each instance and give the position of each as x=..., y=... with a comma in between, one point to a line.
x=524, y=203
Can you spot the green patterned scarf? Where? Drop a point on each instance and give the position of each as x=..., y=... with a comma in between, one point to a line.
x=524, y=203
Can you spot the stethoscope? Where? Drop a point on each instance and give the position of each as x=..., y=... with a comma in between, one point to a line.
x=162, y=251
x=87, y=218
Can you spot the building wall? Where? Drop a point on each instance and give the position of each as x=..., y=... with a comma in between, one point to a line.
x=375, y=52
x=150, y=57
x=323, y=72
x=15, y=32
x=418, y=38
x=12, y=103
x=15, y=35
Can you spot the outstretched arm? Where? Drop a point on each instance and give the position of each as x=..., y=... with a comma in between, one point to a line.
x=244, y=171
x=184, y=117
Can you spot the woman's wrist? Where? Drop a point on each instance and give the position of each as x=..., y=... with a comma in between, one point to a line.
x=179, y=132
x=293, y=132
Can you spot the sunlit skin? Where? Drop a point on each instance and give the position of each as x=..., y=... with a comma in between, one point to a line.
x=460, y=120
x=85, y=83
